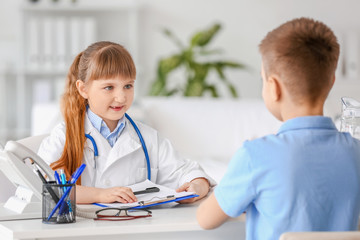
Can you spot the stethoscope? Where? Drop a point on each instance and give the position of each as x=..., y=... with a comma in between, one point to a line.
x=96, y=153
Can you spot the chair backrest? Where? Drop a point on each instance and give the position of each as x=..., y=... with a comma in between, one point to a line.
x=33, y=142
x=355, y=235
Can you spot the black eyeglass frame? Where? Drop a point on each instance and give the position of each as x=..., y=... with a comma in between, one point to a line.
x=117, y=216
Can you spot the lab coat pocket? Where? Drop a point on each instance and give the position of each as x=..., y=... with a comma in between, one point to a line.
x=142, y=174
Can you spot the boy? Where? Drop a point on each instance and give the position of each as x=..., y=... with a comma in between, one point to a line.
x=307, y=176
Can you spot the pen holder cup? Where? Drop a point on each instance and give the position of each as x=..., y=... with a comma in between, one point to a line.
x=52, y=194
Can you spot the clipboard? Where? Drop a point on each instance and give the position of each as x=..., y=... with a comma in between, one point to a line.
x=165, y=195
x=163, y=201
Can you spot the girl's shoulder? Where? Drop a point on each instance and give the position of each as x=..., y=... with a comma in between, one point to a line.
x=56, y=137
x=143, y=127
x=59, y=130
x=147, y=131
x=51, y=147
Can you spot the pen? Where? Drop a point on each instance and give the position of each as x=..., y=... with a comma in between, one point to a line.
x=147, y=190
x=50, y=190
x=73, y=180
x=57, y=178
x=77, y=173
x=63, y=178
x=63, y=181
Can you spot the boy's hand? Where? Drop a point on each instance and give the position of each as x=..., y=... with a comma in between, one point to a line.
x=199, y=185
x=117, y=194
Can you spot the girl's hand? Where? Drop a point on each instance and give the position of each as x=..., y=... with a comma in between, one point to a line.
x=198, y=185
x=117, y=194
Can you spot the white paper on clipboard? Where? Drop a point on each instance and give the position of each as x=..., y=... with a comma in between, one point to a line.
x=164, y=194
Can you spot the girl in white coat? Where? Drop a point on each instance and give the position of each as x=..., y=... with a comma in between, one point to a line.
x=98, y=92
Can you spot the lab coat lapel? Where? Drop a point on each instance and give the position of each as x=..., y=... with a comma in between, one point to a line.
x=127, y=143
x=103, y=149
x=91, y=130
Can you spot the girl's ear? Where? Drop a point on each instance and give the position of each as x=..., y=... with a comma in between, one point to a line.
x=80, y=85
x=274, y=88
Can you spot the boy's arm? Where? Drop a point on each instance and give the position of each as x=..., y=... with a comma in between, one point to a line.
x=200, y=186
x=209, y=214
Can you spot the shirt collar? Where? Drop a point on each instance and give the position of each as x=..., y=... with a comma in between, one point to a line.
x=95, y=120
x=100, y=125
x=308, y=122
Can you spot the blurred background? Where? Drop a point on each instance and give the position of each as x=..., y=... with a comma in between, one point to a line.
x=39, y=39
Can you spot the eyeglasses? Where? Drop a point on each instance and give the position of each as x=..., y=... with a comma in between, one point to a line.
x=117, y=214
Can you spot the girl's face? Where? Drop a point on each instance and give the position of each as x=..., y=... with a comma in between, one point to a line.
x=108, y=98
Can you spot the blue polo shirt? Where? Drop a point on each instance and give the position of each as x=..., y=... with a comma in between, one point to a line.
x=304, y=178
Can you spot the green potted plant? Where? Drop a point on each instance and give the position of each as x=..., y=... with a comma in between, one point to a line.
x=196, y=70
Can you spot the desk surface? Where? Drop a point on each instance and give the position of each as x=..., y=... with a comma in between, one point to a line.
x=177, y=221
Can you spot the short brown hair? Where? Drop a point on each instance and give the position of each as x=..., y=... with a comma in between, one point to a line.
x=304, y=52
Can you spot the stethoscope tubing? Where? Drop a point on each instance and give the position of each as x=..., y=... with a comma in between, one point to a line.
x=96, y=153
x=143, y=145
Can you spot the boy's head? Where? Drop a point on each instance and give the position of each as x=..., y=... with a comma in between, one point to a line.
x=302, y=54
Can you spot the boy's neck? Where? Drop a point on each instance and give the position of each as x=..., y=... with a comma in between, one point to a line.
x=302, y=110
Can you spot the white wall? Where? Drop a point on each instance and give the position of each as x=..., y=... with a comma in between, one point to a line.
x=9, y=19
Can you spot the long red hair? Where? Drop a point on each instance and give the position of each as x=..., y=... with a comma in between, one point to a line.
x=101, y=60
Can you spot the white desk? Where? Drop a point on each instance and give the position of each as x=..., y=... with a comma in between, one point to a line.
x=177, y=222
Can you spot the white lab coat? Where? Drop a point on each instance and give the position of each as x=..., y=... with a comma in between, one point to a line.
x=125, y=164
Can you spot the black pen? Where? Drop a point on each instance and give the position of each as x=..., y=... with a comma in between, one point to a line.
x=147, y=190
x=51, y=191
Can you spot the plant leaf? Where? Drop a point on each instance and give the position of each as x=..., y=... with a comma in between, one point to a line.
x=166, y=65
x=202, y=38
x=173, y=37
x=232, y=90
x=213, y=90
x=157, y=88
x=231, y=64
x=201, y=71
x=172, y=92
x=196, y=71
x=220, y=72
x=210, y=52
x=194, y=89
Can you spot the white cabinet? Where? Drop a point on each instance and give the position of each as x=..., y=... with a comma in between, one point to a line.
x=51, y=35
